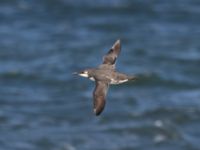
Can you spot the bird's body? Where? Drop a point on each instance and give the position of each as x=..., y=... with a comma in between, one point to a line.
x=104, y=75
x=109, y=76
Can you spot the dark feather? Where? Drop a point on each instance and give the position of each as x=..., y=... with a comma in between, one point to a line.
x=99, y=96
x=111, y=56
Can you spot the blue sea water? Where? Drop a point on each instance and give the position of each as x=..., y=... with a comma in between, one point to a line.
x=44, y=107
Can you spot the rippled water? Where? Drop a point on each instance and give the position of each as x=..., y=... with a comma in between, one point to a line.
x=43, y=106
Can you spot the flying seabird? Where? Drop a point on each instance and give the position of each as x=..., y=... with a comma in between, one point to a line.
x=104, y=75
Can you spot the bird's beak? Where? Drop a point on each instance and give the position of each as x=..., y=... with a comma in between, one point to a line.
x=78, y=73
x=75, y=73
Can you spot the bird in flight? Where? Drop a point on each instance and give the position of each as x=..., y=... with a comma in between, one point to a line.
x=104, y=75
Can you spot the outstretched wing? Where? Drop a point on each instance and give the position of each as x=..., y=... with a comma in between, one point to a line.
x=99, y=96
x=111, y=56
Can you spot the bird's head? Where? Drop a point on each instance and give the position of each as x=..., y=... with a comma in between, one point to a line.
x=84, y=73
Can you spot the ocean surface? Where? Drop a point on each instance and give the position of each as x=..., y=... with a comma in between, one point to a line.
x=44, y=107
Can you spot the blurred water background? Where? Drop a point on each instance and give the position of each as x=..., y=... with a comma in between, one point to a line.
x=44, y=107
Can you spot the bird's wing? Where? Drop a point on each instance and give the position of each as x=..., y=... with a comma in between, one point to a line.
x=111, y=56
x=99, y=96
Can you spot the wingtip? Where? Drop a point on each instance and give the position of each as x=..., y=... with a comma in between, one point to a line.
x=97, y=113
x=117, y=44
x=118, y=41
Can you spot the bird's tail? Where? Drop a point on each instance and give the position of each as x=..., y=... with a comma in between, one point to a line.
x=132, y=78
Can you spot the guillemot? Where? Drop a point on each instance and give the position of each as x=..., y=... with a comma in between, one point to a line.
x=104, y=75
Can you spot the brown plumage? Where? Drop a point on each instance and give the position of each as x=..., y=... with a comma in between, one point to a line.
x=111, y=56
x=104, y=75
x=99, y=96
